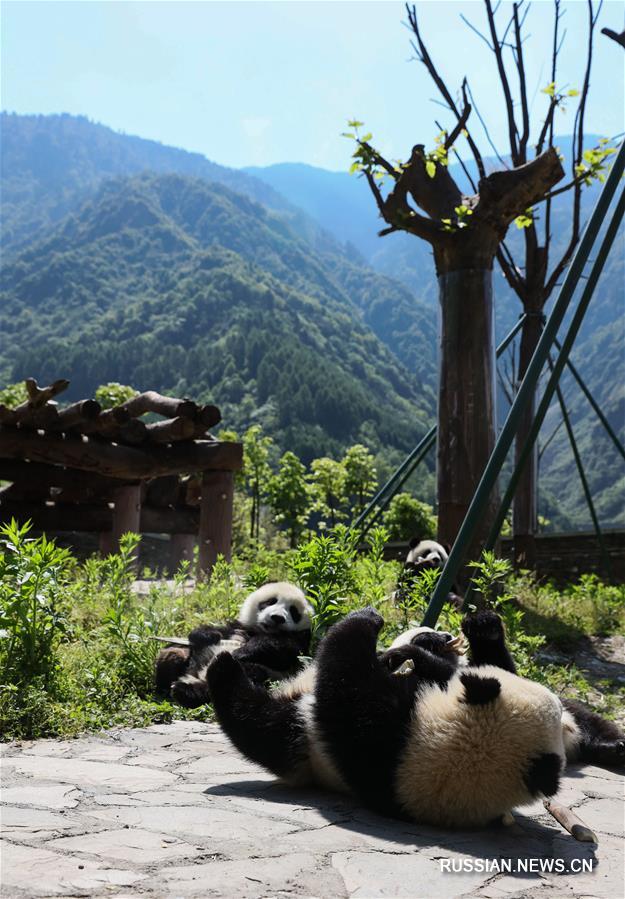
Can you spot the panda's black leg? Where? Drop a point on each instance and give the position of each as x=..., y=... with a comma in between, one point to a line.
x=487, y=640
x=264, y=728
x=277, y=652
x=361, y=709
x=600, y=741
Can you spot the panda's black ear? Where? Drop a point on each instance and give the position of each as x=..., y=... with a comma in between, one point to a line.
x=414, y=542
x=446, y=547
x=479, y=690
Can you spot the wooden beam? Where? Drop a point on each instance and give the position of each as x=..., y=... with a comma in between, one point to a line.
x=125, y=462
x=91, y=517
x=215, y=535
x=44, y=475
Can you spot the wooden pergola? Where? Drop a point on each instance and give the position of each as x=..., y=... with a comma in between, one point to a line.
x=80, y=468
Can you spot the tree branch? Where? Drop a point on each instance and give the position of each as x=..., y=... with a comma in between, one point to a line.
x=503, y=77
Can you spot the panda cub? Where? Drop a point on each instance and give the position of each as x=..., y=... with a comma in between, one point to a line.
x=273, y=629
x=422, y=555
x=437, y=745
x=588, y=738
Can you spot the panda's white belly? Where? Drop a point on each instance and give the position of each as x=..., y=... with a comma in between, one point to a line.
x=464, y=764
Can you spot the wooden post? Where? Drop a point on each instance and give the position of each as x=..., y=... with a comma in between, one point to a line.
x=106, y=543
x=126, y=514
x=181, y=548
x=215, y=535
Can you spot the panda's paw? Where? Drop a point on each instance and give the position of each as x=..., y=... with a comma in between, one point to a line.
x=204, y=636
x=367, y=616
x=483, y=625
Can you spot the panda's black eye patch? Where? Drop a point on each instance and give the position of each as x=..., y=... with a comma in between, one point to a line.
x=268, y=602
x=296, y=615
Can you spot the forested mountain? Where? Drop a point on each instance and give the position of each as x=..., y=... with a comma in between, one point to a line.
x=176, y=283
x=128, y=260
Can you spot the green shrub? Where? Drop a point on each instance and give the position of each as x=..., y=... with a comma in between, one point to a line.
x=407, y=517
x=33, y=615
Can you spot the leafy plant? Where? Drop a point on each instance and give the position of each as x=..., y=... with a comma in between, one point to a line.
x=32, y=574
x=324, y=567
x=13, y=395
x=114, y=394
x=407, y=517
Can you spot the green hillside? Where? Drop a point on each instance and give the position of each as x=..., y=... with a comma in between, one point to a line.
x=185, y=286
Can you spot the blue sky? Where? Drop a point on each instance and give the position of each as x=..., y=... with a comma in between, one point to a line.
x=254, y=83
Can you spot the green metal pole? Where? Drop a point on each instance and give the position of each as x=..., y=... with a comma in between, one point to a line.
x=401, y=475
x=425, y=446
x=528, y=385
x=606, y=424
x=565, y=349
x=582, y=477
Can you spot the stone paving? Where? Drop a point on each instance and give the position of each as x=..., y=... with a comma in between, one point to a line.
x=172, y=810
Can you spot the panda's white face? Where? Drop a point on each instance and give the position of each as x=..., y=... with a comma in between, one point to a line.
x=428, y=550
x=277, y=607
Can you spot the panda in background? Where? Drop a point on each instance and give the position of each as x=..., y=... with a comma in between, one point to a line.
x=273, y=629
x=588, y=738
x=434, y=743
x=424, y=555
x=422, y=551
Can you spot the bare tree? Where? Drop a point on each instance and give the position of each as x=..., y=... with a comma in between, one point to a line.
x=534, y=278
x=467, y=233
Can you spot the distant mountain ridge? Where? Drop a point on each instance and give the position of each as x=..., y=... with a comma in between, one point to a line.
x=183, y=284
x=128, y=260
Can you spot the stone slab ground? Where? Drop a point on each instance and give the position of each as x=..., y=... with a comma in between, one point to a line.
x=172, y=810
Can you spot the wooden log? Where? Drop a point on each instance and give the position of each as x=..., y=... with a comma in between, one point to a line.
x=128, y=463
x=7, y=416
x=39, y=396
x=106, y=423
x=181, y=548
x=98, y=517
x=79, y=413
x=215, y=534
x=151, y=401
x=36, y=417
x=133, y=432
x=170, y=430
x=208, y=416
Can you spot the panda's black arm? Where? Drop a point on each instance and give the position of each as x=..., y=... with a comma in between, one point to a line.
x=264, y=728
x=209, y=635
x=487, y=640
x=279, y=652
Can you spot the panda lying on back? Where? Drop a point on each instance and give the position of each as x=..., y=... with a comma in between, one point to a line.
x=438, y=745
x=273, y=629
x=588, y=737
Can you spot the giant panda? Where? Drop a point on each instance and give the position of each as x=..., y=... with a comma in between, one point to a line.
x=424, y=554
x=434, y=744
x=272, y=631
x=588, y=738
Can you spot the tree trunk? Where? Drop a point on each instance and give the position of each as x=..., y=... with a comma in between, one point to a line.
x=466, y=399
x=525, y=512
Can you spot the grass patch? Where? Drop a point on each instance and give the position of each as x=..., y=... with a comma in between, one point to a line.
x=76, y=653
